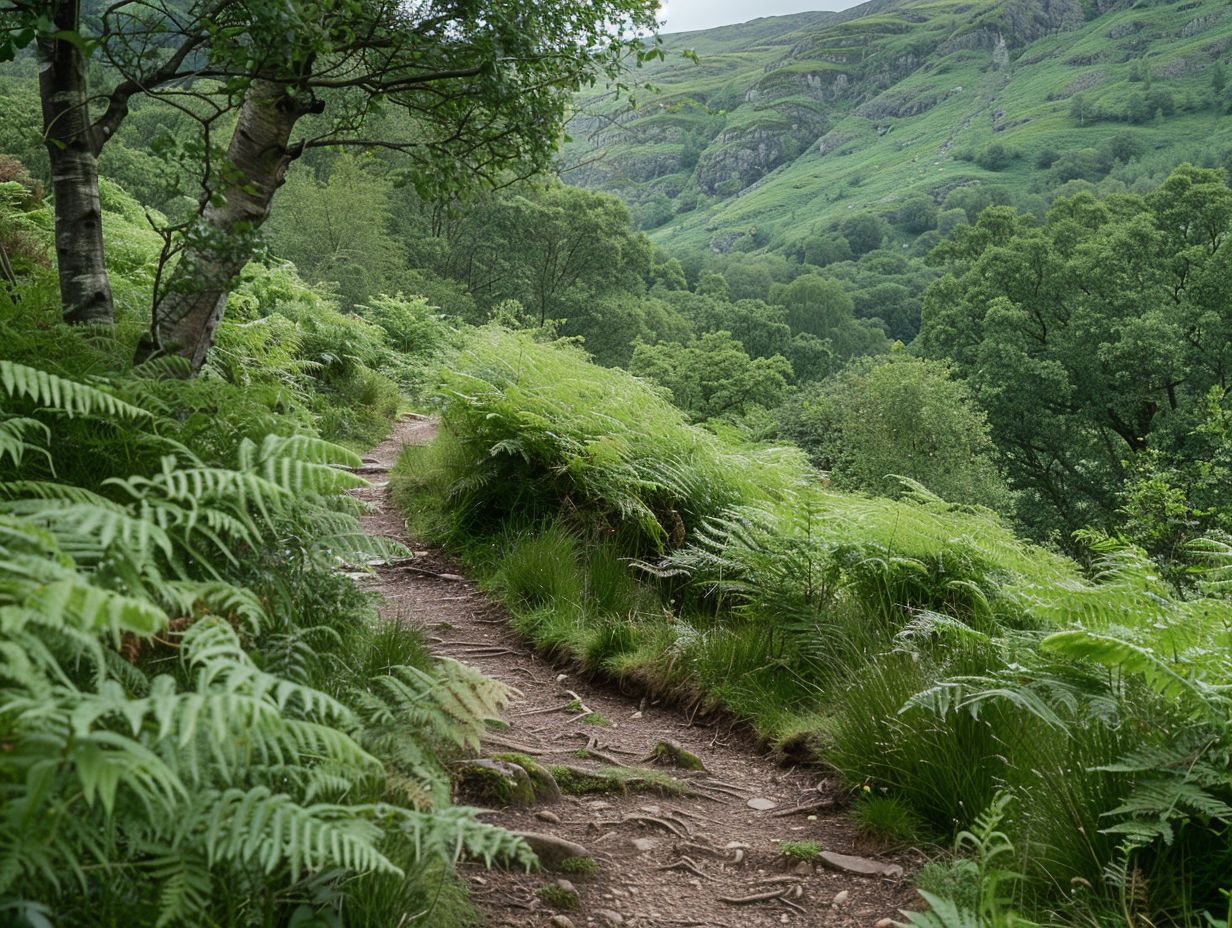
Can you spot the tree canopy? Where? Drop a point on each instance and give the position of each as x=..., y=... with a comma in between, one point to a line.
x=1091, y=337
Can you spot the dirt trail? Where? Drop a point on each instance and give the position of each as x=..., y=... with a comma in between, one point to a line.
x=663, y=861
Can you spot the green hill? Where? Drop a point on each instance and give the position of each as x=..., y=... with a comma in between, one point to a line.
x=787, y=124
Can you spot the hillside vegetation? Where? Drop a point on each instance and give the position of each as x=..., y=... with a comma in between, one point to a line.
x=786, y=126
x=889, y=413
x=953, y=674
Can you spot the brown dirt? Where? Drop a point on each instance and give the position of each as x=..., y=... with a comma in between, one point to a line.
x=636, y=883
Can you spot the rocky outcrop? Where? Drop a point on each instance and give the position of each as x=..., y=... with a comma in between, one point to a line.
x=1200, y=24
x=823, y=85
x=899, y=104
x=1079, y=84
x=753, y=155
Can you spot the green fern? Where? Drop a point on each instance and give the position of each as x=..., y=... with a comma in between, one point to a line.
x=174, y=727
x=51, y=392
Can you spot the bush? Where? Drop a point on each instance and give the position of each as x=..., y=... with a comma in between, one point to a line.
x=917, y=215
x=864, y=232
x=879, y=421
x=995, y=156
x=541, y=420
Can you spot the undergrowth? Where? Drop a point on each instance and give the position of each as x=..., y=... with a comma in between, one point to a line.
x=203, y=720
x=919, y=647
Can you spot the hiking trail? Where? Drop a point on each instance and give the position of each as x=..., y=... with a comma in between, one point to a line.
x=707, y=859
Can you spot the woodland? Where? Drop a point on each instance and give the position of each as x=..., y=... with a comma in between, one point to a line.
x=927, y=486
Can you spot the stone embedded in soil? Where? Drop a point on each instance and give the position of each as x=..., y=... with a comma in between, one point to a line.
x=673, y=752
x=840, y=897
x=861, y=866
x=496, y=782
x=610, y=919
x=759, y=804
x=550, y=849
x=546, y=816
x=560, y=921
x=543, y=784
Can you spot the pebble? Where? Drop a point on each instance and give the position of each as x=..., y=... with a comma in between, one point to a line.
x=885, y=923
x=561, y=678
x=784, y=918
x=636, y=715
x=560, y=921
x=803, y=868
x=840, y=897
x=609, y=918
x=544, y=815
x=760, y=804
x=567, y=886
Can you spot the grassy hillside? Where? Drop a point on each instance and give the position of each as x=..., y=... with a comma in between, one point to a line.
x=788, y=124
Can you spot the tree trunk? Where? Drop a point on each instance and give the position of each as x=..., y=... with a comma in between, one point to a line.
x=85, y=290
x=190, y=308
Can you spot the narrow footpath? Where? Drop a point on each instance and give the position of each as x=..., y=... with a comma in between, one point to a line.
x=710, y=858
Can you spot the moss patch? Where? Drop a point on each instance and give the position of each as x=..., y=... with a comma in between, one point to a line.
x=557, y=897
x=578, y=866
x=574, y=781
x=542, y=781
x=800, y=850
x=496, y=782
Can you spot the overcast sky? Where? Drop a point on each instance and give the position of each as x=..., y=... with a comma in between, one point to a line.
x=687, y=15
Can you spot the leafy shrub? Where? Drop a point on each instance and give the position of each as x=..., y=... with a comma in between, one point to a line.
x=887, y=818
x=995, y=156
x=879, y=421
x=532, y=424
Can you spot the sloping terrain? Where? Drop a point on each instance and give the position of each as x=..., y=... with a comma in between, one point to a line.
x=786, y=124
x=668, y=845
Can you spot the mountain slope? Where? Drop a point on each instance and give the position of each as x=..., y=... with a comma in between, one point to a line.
x=788, y=123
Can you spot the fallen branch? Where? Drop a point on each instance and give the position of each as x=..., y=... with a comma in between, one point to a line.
x=432, y=573
x=756, y=897
x=483, y=652
x=675, y=827
x=543, y=711
x=606, y=758
x=820, y=805
x=793, y=905
x=687, y=863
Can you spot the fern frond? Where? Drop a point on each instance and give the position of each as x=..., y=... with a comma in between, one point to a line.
x=261, y=827
x=56, y=393
x=14, y=441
